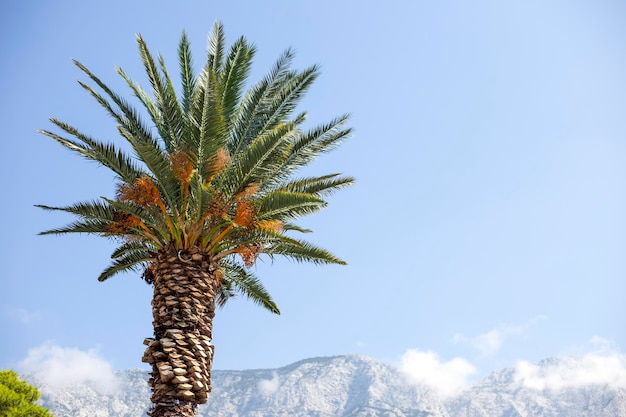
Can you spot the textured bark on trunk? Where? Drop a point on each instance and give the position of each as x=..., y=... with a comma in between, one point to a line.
x=181, y=353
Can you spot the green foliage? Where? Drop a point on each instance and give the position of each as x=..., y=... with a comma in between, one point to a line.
x=17, y=397
x=214, y=167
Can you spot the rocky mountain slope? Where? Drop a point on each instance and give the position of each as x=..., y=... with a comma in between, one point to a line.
x=345, y=386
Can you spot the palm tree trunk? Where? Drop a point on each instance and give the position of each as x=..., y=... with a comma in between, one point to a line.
x=181, y=353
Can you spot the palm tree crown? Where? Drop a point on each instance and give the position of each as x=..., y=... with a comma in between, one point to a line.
x=214, y=170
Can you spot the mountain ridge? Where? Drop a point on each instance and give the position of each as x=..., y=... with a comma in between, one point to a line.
x=349, y=386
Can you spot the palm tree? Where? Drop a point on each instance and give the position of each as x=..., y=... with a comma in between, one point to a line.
x=209, y=187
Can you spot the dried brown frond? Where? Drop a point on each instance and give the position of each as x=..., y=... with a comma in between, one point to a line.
x=244, y=215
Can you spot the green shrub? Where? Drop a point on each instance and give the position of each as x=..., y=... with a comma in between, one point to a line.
x=17, y=397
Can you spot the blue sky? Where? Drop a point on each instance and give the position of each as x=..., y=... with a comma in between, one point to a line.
x=488, y=223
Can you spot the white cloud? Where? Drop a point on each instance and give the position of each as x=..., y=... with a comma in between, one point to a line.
x=603, y=366
x=269, y=386
x=22, y=315
x=602, y=345
x=592, y=369
x=490, y=343
x=487, y=343
x=447, y=378
x=57, y=367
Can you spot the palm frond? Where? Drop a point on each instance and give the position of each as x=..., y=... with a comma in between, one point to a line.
x=146, y=100
x=234, y=74
x=129, y=119
x=164, y=95
x=224, y=293
x=236, y=241
x=318, y=186
x=95, y=210
x=285, y=98
x=249, y=116
x=158, y=163
x=246, y=283
x=105, y=154
x=312, y=143
x=159, y=230
x=303, y=252
x=98, y=227
x=172, y=111
x=254, y=163
x=133, y=246
x=211, y=130
x=217, y=41
x=131, y=261
x=290, y=226
x=284, y=205
x=146, y=148
x=187, y=77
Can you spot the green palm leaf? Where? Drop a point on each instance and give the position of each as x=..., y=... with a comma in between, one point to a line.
x=254, y=163
x=318, y=186
x=321, y=139
x=188, y=79
x=127, y=117
x=303, y=252
x=234, y=74
x=105, y=154
x=250, y=115
x=288, y=93
x=95, y=210
x=98, y=227
x=286, y=205
x=133, y=261
x=245, y=282
x=134, y=246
